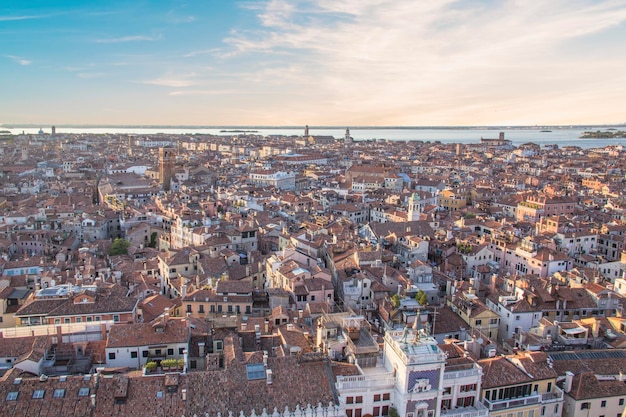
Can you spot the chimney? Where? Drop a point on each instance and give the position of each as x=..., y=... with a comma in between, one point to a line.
x=93, y=400
x=569, y=379
x=201, y=349
x=103, y=331
x=269, y=376
x=166, y=316
x=265, y=356
x=244, y=326
x=184, y=394
x=267, y=326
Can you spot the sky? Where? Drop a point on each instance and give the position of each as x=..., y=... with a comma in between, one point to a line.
x=315, y=62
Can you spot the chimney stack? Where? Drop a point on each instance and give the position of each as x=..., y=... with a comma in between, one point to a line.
x=569, y=379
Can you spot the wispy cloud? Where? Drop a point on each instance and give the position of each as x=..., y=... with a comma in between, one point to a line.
x=185, y=19
x=134, y=38
x=168, y=82
x=411, y=57
x=211, y=51
x=205, y=92
x=89, y=75
x=19, y=60
x=22, y=17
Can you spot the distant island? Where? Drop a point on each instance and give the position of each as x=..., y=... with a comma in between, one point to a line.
x=239, y=131
x=607, y=134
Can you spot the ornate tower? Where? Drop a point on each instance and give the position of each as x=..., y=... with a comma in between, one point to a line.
x=415, y=207
x=166, y=167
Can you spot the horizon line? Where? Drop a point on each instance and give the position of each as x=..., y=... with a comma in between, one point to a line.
x=357, y=127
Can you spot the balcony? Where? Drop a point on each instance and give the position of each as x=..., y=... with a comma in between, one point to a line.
x=556, y=395
x=553, y=396
x=453, y=373
x=364, y=382
x=512, y=403
x=478, y=411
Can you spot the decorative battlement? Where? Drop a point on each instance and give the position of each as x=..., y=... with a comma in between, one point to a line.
x=320, y=411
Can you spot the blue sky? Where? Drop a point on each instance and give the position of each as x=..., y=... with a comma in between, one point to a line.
x=317, y=62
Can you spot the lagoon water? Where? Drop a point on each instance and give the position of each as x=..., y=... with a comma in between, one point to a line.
x=561, y=136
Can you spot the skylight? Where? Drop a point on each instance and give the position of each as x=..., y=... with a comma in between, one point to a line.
x=83, y=392
x=59, y=393
x=38, y=393
x=12, y=396
x=255, y=371
x=159, y=394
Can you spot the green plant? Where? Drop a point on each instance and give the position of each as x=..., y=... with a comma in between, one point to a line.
x=150, y=365
x=153, y=240
x=119, y=247
x=172, y=363
x=393, y=412
x=421, y=297
x=395, y=300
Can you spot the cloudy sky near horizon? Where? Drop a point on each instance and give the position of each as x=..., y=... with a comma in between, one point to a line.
x=316, y=62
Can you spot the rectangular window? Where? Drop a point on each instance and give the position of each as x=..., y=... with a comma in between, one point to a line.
x=603, y=403
x=38, y=393
x=188, y=308
x=170, y=352
x=59, y=393
x=83, y=392
x=377, y=398
x=349, y=400
x=133, y=354
x=386, y=396
x=181, y=351
x=12, y=396
x=111, y=355
x=359, y=399
x=201, y=309
x=144, y=354
x=116, y=317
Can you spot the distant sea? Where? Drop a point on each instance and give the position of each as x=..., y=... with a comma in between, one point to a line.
x=549, y=135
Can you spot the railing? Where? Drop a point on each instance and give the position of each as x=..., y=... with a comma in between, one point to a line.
x=93, y=328
x=361, y=381
x=512, y=403
x=479, y=411
x=461, y=374
x=424, y=352
x=555, y=396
